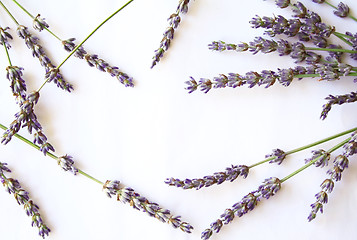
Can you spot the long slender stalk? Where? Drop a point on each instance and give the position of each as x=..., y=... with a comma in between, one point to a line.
x=51, y=154
x=330, y=49
x=314, y=160
x=8, y=12
x=307, y=146
x=79, y=45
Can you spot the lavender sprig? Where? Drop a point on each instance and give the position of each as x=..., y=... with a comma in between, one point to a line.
x=52, y=72
x=138, y=202
x=267, y=189
x=341, y=162
x=230, y=175
x=337, y=100
x=174, y=21
x=94, y=61
x=326, y=71
x=12, y=186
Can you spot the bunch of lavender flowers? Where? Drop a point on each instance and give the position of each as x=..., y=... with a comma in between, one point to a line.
x=12, y=186
x=273, y=184
x=306, y=26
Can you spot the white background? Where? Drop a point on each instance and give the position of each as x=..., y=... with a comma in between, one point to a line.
x=143, y=135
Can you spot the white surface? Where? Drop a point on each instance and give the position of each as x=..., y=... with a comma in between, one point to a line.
x=143, y=135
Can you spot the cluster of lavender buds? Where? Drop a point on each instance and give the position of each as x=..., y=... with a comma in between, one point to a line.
x=66, y=163
x=5, y=36
x=39, y=23
x=174, y=20
x=230, y=175
x=12, y=186
x=26, y=117
x=52, y=72
x=128, y=195
x=340, y=163
x=277, y=156
x=266, y=190
x=337, y=100
x=94, y=61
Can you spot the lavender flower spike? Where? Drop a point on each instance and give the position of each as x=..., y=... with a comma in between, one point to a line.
x=230, y=174
x=100, y=64
x=128, y=195
x=266, y=190
x=32, y=42
x=174, y=20
x=12, y=186
x=337, y=100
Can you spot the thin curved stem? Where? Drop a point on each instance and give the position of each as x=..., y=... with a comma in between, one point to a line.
x=314, y=160
x=8, y=12
x=50, y=154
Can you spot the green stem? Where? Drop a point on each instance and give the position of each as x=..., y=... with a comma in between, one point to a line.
x=34, y=18
x=318, y=75
x=7, y=53
x=50, y=154
x=314, y=160
x=8, y=12
x=343, y=37
x=79, y=45
x=330, y=49
x=307, y=146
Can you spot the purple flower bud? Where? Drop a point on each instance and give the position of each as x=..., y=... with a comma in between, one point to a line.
x=5, y=37
x=300, y=10
x=279, y=156
x=341, y=162
x=327, y=185
x=39, y=23
x=342, y=10
x=192, y=85
x=322, y=197
x=282, y=3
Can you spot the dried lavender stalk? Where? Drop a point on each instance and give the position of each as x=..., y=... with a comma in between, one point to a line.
x=325, y=71
x=266, y=190
x=100, y=64
x=337, y=100
x=230, y=174
x=138, y=202
x=340, y=164
x=52, y=72
x=174, y=20
x=12, y=186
